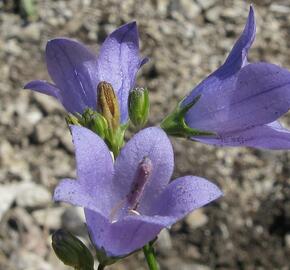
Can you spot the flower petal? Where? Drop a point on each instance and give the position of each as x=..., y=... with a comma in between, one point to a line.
x=67, y=63
x=71, y=191
x=44, y=87
x=119, y=61
x=271, y=136
x=184, y=195
x=259, y=94
x=120, y=238
x=154, y=144
x=234, y=62
x=94, y=172
x=238, y=55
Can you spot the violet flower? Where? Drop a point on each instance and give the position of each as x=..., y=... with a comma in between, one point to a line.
x=76, y=71
x=240, y=101
x=128, y=202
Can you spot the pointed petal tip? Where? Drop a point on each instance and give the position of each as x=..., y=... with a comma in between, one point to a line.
x=251, y=11
x=26, y=86
x=127, y=27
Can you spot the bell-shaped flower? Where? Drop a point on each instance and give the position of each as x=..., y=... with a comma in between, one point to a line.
x=241, y=101
x=77, y=72
x=129, y=201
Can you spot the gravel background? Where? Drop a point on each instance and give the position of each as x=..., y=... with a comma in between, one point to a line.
x=249, y=228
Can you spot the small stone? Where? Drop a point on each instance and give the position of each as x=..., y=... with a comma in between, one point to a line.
x=164, y=242
x=189, y=8
x=47, y=103
x=32, y=195
x=25, y=260
x=12, y=47
x=213, y=14
x=44, y=131
x=181, y=265
x=206, y=4
x=49, y=218
x=196, y=219
x=31, y=32
x=7, y=195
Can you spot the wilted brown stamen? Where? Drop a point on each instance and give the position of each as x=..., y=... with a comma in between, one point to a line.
x=108, y=104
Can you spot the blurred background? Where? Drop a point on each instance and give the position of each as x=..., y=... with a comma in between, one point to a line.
x=249, y=228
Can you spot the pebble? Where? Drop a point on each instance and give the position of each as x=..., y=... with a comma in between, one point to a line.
x=164, y=242
x=49, y=217
x=196, y=219
x=29, y=194
x=25, y=260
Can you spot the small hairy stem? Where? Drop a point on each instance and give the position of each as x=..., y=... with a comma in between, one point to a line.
x=150, y=257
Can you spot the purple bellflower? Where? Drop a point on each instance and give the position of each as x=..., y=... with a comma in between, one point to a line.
x=77, y=72
x=241, y=101
x=129, y=201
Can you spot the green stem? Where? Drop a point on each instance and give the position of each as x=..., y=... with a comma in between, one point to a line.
x=150, y=257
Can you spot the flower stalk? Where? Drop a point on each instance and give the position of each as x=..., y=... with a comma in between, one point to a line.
x=150, y=256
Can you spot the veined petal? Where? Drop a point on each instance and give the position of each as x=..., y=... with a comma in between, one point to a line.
x=71, y=191
x=259, y=94
x=119, y=61
x=66, y=61
x=122, y=237
x=213, y=85
x=182, y=196
x=153, y=144
x=271, y=136
x=238, y=55
x=44, y=87
x=94, y=169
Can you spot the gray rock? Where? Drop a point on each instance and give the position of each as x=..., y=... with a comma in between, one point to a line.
x=25, y=260
x=49, y=217
x=7, y=195
x=196, y=219
x=164, y=243
x=44, y=131
x=31, y=32
x=32, y=195
x=206, y=4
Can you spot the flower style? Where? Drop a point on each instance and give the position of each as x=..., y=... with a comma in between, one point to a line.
x=77, y=72
x=240, y=102
x=128, y=202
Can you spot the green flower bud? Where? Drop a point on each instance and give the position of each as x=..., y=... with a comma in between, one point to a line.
x=71, y=251
x=95, y=122
x=139, y=106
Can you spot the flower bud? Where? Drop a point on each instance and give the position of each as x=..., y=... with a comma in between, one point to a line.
x=108, y=104
x=71, y=251
x=95, y=122
x=139, y=106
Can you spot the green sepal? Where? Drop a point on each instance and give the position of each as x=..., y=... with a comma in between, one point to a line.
x=71, y=251
x=115, y=138
x=174, y=124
